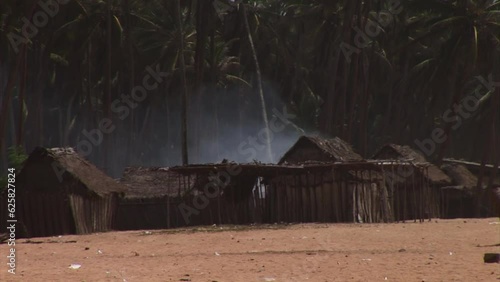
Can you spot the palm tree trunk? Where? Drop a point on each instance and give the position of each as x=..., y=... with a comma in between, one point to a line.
x=202, y=16
x=184, y=95
x=356, y=82
x=259, y=83
x=22, y=92
x=107, y=152
x=38, y=117
x=131, y=66
x=341, y=100
x=6, y=101
x=11, y=82
x=328, y=110
x=202, y=11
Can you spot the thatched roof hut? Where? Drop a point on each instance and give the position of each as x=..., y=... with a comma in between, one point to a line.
x=475, y=168
x=53, y=167
x=457, y=200
x=404, y=153
x=309, y=148
x=152, y=196
x=460, y=176
x=153, y=182
x=59, y=192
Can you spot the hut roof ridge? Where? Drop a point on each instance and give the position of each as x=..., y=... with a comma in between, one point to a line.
x=335, y=148
x=405, y=152
x=460, y=175
x=70, y=161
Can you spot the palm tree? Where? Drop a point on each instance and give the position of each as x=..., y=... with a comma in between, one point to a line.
x=466, y=35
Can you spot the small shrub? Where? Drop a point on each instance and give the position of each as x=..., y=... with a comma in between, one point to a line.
x=15, y=158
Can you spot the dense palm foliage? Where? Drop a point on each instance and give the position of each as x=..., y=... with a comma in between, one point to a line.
x=370, y=72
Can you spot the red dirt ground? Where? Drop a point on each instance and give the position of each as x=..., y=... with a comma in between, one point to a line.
x=441, y=250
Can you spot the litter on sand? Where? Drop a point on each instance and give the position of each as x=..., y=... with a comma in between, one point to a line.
x=75, y=266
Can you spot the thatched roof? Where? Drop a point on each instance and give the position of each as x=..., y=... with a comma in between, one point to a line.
x=399, y=152
x=154, y=182
x=357, y=170
x=460, y=176
x=476, y=168
x=47, y=164
x=335, y=149
x=405, y=153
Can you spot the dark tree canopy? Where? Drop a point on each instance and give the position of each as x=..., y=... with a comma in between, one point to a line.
x=153, y=82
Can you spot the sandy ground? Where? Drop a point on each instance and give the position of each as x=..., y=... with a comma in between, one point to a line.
x=441, y=250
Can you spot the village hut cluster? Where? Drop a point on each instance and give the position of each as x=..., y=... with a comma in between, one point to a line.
x=317, y=180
